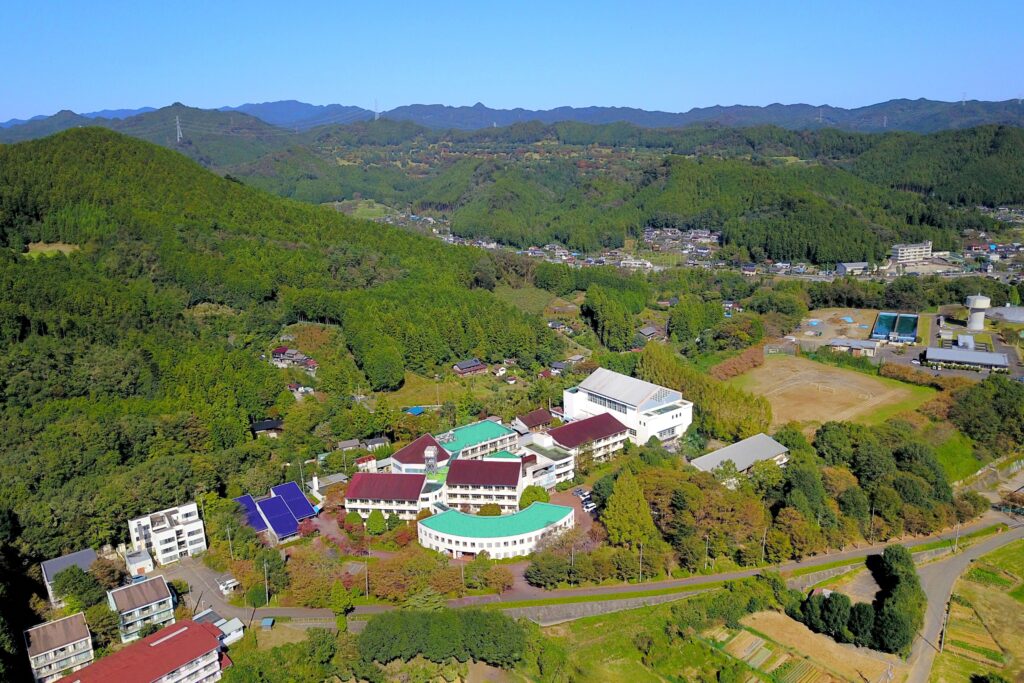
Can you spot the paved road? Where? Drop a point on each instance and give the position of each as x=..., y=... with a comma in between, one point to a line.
x=205, y=594
x=937, y=579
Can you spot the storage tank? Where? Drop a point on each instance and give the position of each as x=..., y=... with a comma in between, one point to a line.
x=977, y=305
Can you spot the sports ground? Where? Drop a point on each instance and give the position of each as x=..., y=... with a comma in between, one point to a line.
x=808, y=392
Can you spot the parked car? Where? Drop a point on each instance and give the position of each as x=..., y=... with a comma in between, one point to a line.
x=589, y=506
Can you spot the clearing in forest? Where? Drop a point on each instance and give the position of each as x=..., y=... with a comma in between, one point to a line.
x=809, y=392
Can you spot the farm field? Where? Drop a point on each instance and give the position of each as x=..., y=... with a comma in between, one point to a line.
x=985, y=632
x=835, y=661
x=529, y=299
x=811, y=393
x=37, y=249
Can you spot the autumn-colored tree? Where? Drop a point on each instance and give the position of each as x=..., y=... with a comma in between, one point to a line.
x=499, y=578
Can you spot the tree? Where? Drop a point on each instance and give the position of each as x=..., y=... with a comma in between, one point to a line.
x=375, y=523
x=533, y=494
x=393, y=522
x=276, y=571
x=321, y=645
x=256, y=596
x=148, y=630
x=489, y=510
x=110, y=574
x=341, y=599
x=627, y=517
x=353, y=519
x=426, y=599
x=499, y=578
x=835, y=613
x=79, y=589
x=861, y=624
x=547, y=570
x=104, y=624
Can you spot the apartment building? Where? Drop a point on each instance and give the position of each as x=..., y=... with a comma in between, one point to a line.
x=140, y=604
x=911, y=253
x=390, y=493
x=58, y=646
x=471, y=484
x=600, y=436
x=187, y=652
x=170, y=534
x=647, y=410
x=82, y=559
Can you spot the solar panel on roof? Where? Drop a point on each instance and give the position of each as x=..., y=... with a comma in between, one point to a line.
x=293, y=498
x=252, y=515
x=278, y=516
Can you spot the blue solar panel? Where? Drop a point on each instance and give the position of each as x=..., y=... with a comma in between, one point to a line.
x=293, y=498
x=281, y=520
x=252, y=515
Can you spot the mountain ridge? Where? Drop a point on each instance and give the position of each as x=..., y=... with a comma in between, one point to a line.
x=920, y=115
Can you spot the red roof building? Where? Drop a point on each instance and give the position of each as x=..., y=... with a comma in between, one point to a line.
x=484, y=473
x=536, y=419
x=580, y=432
x=385, y=486
x=185, y=644
x=413, y=453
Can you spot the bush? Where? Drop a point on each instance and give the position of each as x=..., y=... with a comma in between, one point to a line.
x=737, y=365
x=533, y=494
x=489, y=510
x=256, y=596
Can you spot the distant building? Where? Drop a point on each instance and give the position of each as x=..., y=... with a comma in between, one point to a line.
x=267, y=428
x=744, y=454
x=58, y=646
x=473, y=366
x=170, y=534
x=82, y=559
x=647, y=410
x=855, y=347
x=979, y=359
x=649, y=332
x=183, y=653
x=852, y=268
x=911, y=253
x=140, y=604
x=376, y=443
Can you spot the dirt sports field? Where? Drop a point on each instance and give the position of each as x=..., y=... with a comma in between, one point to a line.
x=808, y=392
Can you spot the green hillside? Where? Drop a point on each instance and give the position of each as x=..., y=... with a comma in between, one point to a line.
x=140, y=352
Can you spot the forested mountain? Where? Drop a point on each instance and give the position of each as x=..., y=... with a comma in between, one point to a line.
x=821, y=196
x=140, y=352
x=921, y=115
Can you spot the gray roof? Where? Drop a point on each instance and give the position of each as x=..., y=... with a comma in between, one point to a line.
x=140, y=594
x=742, y=453
x=82, y=558
x=622, y=388
x=378, y=441
x=648, y=330
x=967, y=357
x=54, y=634
x=207, y=616
x=855, y=343
x=1011, y=314
x=135, y=556
x=855, y=264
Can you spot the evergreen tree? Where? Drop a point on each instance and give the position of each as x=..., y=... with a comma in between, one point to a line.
x=627, y=517
x=375, y=523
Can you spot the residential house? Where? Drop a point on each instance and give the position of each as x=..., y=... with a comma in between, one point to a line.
x=648, y=332
x=647, y=410
x=140, y=604
x=376, y=443
x=187, y=652
x=82, y=559
x=348, y=445
x=232, y=630
x=170, y=534
x=271, y=428
x=534, y=421
x=473, y=366
x=58, y=646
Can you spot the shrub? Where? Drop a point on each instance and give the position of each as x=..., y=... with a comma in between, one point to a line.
x=256, y=596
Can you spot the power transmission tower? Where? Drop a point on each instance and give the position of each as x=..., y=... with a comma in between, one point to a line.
x=177, y=124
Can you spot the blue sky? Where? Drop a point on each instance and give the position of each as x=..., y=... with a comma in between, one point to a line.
x=656, y=55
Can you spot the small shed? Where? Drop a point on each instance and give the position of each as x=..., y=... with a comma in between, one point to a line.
x=267, y=623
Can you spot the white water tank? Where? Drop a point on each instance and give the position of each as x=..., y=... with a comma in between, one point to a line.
x=977, y=305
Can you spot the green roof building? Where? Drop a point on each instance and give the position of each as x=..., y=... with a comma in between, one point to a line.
x=516, y=535
x=478, y=439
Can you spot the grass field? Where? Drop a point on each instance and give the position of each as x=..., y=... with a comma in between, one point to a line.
x=37, y=249
x=954, y=450
x=419, y=391
x=363, y=208
x=985, y=632
x=527, y=299
x=811, y=393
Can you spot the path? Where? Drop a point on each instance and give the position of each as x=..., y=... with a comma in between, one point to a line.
x=937, y=580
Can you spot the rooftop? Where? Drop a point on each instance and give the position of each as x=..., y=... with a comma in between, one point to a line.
x=385, y=486
x=484, y=473
x=534, y=518
x=742, y=453
x=140, y=594
x=625, y=389
x=154, y=656
x=584, y=431
x=536, y=418
x=854, y=343
x=471, y=435
x=81, y=558
x=413, y=453
x=966, y=357
x=54, y=634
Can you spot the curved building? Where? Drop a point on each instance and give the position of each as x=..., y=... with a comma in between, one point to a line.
x=458, y=534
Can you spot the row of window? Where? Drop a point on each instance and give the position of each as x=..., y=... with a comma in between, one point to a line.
x=608, y=403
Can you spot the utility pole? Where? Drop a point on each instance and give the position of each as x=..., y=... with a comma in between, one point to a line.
x=177, y=124
x=366, y=574
x=266, y=583
x=641, y=562
x=572, y=560
x=764, y=541
x=707, y=549
x=956, y=543
x=871, y=526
